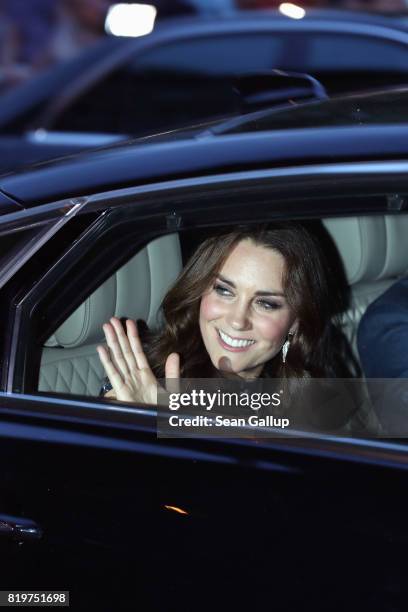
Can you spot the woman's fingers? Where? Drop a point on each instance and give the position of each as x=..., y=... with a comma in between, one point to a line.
x=136, y=345
x=111, y=371
x=172, y=373
x=115, y=349
x=127, y=367
x=124, y=345
x=121, y=390
x=172, y=367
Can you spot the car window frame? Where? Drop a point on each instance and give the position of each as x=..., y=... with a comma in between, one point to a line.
x=183, y=201
x=176, y=206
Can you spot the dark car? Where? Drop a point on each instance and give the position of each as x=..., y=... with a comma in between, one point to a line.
x=186, y=72
x=91, y=500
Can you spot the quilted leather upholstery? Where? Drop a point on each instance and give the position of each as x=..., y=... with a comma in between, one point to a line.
x=62, y=372
x=70, y=363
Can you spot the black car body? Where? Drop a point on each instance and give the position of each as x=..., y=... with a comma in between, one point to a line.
x=91, y=501
x=185, y=72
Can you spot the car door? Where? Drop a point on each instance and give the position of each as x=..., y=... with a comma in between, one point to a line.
x=93, y=503
x=128, y=520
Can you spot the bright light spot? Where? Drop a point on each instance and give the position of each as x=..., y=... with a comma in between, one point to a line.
x=130, y=19
x=292, y=10
x=176, y=509
x=40, y=134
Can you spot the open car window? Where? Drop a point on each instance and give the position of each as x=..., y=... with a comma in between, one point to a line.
x=366, y=256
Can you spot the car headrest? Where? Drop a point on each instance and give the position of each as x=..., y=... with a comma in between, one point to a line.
x=373, y=247
x=136, y=291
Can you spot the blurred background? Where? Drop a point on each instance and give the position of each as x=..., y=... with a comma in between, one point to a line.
x=80, y=74
x=36, y=34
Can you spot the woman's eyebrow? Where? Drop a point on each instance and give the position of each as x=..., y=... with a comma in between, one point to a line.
x=231, y=284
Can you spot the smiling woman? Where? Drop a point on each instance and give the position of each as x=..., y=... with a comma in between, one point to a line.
x=245, y=319
x=252, y=302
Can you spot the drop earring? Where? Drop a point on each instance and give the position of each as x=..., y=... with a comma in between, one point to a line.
x=285, y=348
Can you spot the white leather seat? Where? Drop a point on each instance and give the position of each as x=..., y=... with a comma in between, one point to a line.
x=70, y=363
x=374, y=251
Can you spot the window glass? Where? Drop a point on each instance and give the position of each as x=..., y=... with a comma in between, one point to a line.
x=217, y=56
x=185, y=82
x=172, y=85
x=355, y=52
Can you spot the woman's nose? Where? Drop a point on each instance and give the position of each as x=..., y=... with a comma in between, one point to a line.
x=238, y=316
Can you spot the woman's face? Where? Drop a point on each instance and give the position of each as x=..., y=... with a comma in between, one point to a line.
x=244, y=316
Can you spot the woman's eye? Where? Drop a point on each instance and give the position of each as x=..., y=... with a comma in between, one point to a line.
x=269, y=305
x=222, y=290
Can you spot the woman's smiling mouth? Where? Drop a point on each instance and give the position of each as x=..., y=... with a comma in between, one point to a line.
x=233, y=344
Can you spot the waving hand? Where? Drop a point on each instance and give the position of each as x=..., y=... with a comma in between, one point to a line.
x=126, y=365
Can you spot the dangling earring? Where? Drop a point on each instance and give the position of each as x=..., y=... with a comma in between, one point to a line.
x=285, y=348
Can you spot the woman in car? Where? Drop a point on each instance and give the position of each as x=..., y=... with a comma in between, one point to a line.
x=255, y=302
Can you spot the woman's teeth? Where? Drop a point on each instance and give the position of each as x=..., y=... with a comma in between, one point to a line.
x=234, y=342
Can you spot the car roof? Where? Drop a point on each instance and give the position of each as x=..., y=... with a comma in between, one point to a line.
x=335, y=134
x=31, y=99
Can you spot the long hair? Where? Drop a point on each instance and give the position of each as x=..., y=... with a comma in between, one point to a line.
x=308, y=290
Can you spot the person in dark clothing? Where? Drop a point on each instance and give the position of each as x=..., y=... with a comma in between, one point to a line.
x=383, y=346
x=383, y=334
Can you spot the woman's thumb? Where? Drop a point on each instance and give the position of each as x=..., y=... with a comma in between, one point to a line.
x=172, y=368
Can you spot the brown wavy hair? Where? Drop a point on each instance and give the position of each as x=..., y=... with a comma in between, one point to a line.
x=309, y=292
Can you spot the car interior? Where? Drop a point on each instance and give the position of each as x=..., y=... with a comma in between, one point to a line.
x=373, y=251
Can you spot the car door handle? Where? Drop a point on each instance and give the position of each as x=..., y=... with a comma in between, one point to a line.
x=19, y=528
